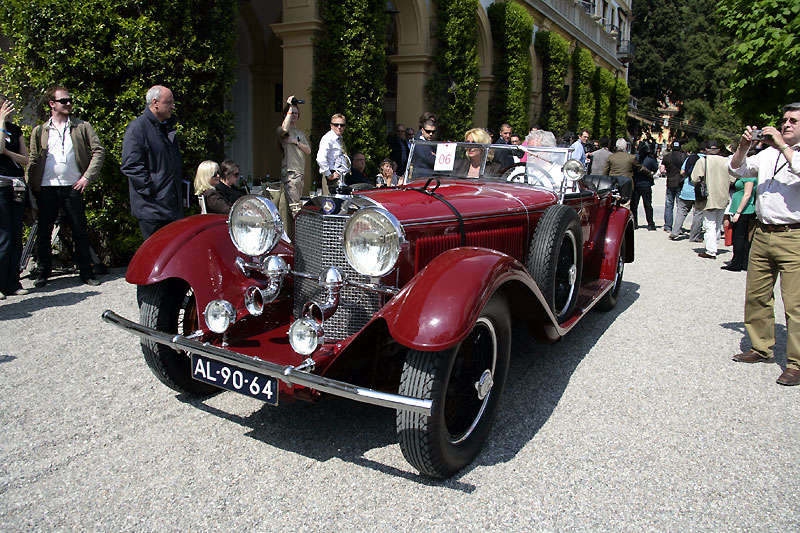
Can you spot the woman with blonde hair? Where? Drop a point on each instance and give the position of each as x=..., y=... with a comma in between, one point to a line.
x=471, y=166
x=205, y=179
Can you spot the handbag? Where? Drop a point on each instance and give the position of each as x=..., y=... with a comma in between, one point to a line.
x=700, y=188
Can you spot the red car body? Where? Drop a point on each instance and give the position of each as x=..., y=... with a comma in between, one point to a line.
x=446, y=274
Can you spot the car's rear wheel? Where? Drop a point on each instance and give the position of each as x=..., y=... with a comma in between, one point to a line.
x=555, y=258
x=465, y=384
x=609, y=299
x=170, y=306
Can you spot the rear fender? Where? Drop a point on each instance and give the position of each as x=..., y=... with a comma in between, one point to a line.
x=439, y=306
x=199, y=251
x=620, y=226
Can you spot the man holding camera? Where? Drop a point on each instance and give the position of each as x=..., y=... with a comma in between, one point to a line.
x=776, y=241
x=294, y=144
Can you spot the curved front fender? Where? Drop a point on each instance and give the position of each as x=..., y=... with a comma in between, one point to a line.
x=198, y=250
x=439, y=306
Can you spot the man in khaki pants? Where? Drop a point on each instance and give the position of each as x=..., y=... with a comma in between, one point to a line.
x=776, y=241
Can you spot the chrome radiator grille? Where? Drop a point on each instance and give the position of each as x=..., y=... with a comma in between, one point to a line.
x=318, y=245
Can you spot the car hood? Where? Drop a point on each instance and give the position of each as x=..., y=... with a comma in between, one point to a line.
x=472, y=199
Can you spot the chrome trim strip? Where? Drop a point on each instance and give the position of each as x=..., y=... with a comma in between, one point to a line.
x=288, y=374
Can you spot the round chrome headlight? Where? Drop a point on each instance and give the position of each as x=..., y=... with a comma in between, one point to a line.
x=255, y=225
x=372, y=239
x=574, y=170
x=305, y=336
x=219, y=315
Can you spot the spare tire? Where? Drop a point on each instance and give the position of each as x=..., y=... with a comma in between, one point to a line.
x=555, y=258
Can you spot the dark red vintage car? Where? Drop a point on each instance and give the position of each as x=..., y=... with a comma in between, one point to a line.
x=400, y=297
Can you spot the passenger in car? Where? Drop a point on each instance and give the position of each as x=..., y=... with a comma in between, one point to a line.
x=471, y=165
x=225, y=192
x=205, y=180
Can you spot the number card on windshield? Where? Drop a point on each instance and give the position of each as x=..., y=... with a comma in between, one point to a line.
x=445, y=156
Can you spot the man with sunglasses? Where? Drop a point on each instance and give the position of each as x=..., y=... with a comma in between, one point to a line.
x=331, y=155
x=425, y=155
x=66, y=155
x=775, y=248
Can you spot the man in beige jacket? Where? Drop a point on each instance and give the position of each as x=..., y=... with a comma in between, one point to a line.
x=714, y=170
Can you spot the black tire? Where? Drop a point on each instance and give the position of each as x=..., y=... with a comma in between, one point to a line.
x=609, y=299
x=170, y=306
x=555, y=258
x=445, y=442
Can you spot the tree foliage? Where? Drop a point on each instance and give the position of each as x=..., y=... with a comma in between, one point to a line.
x=583, y=101
x=553, y=50
x=108, y=54
x=453, y=87
x=350, y=72
x=766, y=48
x=512, y=28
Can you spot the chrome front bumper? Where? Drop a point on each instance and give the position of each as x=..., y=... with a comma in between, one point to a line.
x=288, y=374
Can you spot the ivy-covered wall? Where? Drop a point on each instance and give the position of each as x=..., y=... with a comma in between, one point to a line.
x=512, y=29
x=451, y=90
x=553, y=50
x=349, y=76
x=583, y=101
x=108, y=54
x=603, y=85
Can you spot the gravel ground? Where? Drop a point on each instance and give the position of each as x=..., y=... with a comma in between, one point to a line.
x=638, y=420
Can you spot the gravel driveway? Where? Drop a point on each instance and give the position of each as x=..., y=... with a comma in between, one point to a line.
x=638, y=420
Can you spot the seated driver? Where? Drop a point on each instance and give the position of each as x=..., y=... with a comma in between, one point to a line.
x=471, y=165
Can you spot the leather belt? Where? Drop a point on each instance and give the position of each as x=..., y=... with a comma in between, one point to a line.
x=771, y=228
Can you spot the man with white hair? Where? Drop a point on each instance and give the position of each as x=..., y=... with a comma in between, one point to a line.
x=621, y=163
x=151, y=159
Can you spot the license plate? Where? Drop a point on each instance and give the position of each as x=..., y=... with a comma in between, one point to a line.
x=237, y=379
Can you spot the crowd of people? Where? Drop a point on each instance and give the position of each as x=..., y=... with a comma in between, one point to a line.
x=755, y=192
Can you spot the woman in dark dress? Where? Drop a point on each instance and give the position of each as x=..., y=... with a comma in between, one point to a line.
x=225, y=192
x=13, y=159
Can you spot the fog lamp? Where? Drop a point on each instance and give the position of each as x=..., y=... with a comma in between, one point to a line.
x=305, y=336
x=219, y=315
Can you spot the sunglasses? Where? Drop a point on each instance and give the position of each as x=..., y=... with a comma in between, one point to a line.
x=335, y=125
x=429, y=132
x=64, y=101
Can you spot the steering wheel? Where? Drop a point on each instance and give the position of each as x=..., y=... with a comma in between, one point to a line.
x=508, y=173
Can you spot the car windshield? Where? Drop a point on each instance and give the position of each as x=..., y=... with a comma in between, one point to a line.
x=529, y=165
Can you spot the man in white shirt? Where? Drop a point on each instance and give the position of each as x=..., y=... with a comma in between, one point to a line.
x=331, y=154
x=66, y=155
x=776, y=241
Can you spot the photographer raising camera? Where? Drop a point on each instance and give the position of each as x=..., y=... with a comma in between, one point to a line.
x=294, y=144
x=775, y=249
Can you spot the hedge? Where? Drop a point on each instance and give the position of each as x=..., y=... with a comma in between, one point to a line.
x=603, y=88
x=349, y=75
x=512, y=30
x=553, y=50
x=583, y=101
x=108, y=54
x=452, y=89
x=619, y=108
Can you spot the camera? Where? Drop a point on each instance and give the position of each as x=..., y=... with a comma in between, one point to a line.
x=295, y=101
x=758, y=135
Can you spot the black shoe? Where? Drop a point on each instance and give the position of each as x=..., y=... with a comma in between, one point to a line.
x=90, y=281
x=41, y=281
x=651, y=228
x=731, y=268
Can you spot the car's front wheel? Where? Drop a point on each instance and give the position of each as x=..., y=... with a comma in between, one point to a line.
x=170, y=306
x=465, y=384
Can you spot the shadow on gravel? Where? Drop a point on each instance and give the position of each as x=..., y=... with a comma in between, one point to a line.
x=780, y=340
x=6, y=358
x=38, y=301
x=347, y=430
